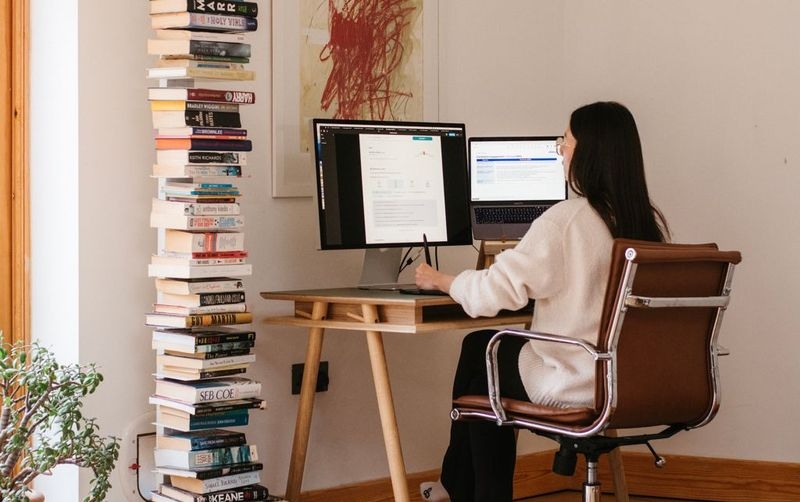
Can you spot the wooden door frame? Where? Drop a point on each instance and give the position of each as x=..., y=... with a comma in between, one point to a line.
x=14, y=177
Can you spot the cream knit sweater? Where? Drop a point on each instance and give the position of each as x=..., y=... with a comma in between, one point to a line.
x=562, y=262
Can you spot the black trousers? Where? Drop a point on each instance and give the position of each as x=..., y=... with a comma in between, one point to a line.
x=479, y=463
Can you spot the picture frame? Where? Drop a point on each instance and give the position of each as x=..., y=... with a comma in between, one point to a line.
x=292, y=168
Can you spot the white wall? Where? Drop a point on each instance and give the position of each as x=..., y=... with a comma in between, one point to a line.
x=713, y=85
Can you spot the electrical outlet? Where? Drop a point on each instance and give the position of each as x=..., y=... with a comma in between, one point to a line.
x=322, y=377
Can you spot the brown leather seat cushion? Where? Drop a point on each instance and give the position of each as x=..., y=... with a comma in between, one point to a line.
x=525, y=409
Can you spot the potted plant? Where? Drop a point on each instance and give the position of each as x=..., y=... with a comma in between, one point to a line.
x=42, y=423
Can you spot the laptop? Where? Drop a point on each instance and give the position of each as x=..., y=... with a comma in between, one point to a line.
x=513, y=180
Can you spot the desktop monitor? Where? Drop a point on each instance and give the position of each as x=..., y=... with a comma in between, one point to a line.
x=382, y=185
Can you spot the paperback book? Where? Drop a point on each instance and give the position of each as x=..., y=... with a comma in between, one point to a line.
x=199, y=286
x=211, y=472
x=252, y=493
x=200, y=72
x=201, y=299
x=204, y=144
x=207, y=22
x=203, y=409
x=216, y=457
x=215, y=390
x=193, y=375
x=185, y=423
x=200, y=440
x=213, y=36
x=201, y=94
x=182, y=241
x=194, y=105
x=181, y=222
x=198, y=272
x=198, y=118
x=196, y=171
x=183, y=157
x=215, y=484
x=161, y=46
x=208, y=309
x=230, y=7
x=201, y=132
x=183, y=362
x=191, y=321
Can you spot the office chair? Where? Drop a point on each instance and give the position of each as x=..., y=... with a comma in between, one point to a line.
x=656, y=359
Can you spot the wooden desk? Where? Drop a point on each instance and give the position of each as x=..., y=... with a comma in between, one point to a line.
x=373, y=312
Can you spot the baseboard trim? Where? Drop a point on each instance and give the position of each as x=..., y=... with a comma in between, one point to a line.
x=683, y=477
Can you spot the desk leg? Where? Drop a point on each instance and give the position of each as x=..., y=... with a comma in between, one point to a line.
x=306, y=405
x=383, y=390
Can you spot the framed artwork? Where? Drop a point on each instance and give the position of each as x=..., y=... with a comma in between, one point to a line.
x=348, y=59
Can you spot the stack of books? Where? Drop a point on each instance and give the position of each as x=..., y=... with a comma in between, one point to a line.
x=200, y=316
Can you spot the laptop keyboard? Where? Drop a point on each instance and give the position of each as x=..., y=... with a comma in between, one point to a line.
x=511, y=214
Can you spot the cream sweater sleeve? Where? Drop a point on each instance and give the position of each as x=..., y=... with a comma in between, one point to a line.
x=534, y=268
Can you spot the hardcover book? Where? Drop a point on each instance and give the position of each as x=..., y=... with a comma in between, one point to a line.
x=200, y=440
x=191, y=339
x=198, y=272
x=252, y=493
x=191, y=321
x=198, y=286
x=207, y=22
x=210, y=351
x=225, y=389
x=199, y=94
x=206, y=458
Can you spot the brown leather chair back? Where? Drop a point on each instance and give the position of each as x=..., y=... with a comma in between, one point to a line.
x=663, y=355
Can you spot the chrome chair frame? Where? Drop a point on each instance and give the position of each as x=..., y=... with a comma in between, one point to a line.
x=586, y=438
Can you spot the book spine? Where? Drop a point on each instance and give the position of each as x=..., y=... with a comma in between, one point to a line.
x=218, y=319
x=227, y=392
x=247, y=493
x=208, y=442
x=213, y=107
x=231, y=470
x=221, y=22
x=236, y=7
x=222, y=407
x=241, y=97
x=227, y=482
x=222, y=456
x=212, y=422
x=200, y=157
x=217, y=241
x=191, y=171
x=225, y=338
x=199, y=223
x=212, y=132
x=201, y=118
x=204, y=144
x=221, y=298
x=224, y=49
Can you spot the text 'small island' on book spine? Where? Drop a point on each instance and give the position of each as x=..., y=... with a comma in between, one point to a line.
x=200, y=318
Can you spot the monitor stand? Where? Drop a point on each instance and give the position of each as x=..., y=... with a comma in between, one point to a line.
x=380, y=269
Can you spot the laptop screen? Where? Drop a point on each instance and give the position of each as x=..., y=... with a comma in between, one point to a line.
x=508, y=169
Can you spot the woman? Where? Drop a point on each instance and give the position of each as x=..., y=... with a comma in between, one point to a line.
x=562, y=262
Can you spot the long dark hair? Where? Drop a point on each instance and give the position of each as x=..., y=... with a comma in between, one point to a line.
x=607, y=168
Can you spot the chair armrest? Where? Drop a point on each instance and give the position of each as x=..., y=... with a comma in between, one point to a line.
x=550, y=337
x=491, y=360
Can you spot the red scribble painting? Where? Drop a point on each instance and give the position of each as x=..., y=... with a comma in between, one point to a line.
x=366, y=47
x=362, y=59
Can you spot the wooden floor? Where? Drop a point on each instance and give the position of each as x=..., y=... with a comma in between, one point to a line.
x=569, y=496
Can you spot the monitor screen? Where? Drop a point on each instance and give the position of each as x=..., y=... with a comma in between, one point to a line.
x=386, y=184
